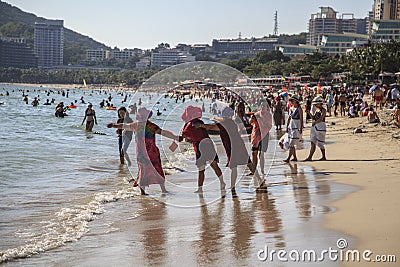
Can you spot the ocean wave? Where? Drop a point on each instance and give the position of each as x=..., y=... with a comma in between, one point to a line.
x=68, y=225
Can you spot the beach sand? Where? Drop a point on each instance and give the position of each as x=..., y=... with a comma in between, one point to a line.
x=370, y=161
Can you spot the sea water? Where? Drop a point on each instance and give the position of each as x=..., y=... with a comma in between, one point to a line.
x=64, y=195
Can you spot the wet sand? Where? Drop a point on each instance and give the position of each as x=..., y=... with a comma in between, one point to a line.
x=187, y=229
x=371, y=162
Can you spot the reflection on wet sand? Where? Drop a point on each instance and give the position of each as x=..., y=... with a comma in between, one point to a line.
x=154, y=235
x=269, y=217
x=209, y=246
x=242, y=229
x=300, y=190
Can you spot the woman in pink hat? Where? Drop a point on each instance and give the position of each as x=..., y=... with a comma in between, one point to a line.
x=202, y=145
x=147, y=152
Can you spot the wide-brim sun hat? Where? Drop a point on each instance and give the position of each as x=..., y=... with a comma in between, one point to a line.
x=295, y=98
x=191, y=113
x=143, y=114
x=317, y=100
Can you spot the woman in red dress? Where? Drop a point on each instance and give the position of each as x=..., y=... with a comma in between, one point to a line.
x=202, y=145
x=147, y=152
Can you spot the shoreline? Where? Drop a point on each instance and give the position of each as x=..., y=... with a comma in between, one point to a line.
x=368, y=161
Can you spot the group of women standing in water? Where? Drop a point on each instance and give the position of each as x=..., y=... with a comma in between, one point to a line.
x=194, y=131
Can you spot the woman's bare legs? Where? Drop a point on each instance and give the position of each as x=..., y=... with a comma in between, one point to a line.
x=292, y=152
x=200, y=181
x=218, y=172
x=262, y=161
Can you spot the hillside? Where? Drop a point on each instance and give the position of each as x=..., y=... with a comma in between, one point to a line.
x=16, y=23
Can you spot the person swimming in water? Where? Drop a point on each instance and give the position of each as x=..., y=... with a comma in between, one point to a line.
x=59, y=110
x=35, y=102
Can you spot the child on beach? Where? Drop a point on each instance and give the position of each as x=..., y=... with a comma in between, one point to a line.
x=294, y=127
x=318, y=128
x=202, y=145
x=234, y=146
x=373, y=116
x=147, y=152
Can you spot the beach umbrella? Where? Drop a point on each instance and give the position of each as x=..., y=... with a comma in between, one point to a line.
x=373, y=88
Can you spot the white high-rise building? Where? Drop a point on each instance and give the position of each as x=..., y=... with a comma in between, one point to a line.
x=49, y=43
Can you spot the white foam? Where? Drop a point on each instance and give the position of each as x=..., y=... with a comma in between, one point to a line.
x=68, y=225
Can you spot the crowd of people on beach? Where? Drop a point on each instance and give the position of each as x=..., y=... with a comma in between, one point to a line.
x=235, y=118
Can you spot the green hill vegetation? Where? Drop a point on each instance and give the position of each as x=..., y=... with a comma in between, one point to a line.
x=16, y=23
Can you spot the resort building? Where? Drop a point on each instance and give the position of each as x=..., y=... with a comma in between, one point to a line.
x=97, y=54
x=49, y=43
x=385, y=31
x=335, y=44
x=125, y=54
x=170, y=57
x=14, y=52
x=118, y=54
x=331, y=43
x=362, y=25
x=200, y=48
x=243, y=46
x=296, y=50
x=143, y=63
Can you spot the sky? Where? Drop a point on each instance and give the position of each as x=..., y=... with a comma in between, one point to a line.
x=145, y=24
